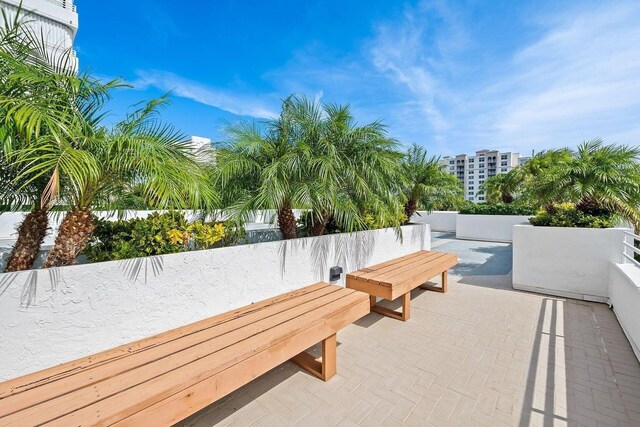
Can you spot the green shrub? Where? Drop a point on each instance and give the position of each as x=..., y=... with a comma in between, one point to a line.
x=567, y=215
x=497, y=209
x=157, y=234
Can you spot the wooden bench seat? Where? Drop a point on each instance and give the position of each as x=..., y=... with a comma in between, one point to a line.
x=398, y=277
x=162, y=379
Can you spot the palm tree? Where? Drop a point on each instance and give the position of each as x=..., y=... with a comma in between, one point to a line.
x=598, y=178
x=500, y=188
x=427, y=181
x=347, y=166
x=41, y=98
x=260, y=168
x=140, y=149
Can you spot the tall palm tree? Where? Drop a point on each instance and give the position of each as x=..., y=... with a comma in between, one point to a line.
x=140, y=149
x=347, y=165
x=597, y=178
x=499, y=188
x=41, y=98
x=260, y=168
x=427, y=181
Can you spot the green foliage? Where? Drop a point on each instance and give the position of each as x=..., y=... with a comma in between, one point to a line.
x=497, y=209
x=157, y=234
x=426, y=184
x=567, y=215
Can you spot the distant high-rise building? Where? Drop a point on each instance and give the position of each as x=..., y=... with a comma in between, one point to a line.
x=472, y=171
x=56, y=20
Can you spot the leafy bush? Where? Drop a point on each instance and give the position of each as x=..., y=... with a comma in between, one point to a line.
x=497, y=209
x=567, y=215
x=369, y=222
x=157, y=234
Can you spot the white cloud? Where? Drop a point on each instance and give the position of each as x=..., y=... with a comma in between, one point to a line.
x=242, y=105
x=579, y=80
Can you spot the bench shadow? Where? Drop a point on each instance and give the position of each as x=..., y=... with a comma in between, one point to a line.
x=372, y=318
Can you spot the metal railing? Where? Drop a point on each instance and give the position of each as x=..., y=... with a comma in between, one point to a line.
x=66, y=4
x=629, y=250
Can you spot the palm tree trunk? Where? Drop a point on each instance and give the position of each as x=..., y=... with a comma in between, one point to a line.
x=320, y=221
x=410, y=208
x=31, y=233
x=75, y=231
x=287, y=222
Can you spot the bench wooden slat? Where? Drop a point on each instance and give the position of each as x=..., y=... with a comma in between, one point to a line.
x=380, y=266
x=179, y=369
x=404, y=264
x=238, y=325
x=36, y=379
x=394, y=276
x=399, y=276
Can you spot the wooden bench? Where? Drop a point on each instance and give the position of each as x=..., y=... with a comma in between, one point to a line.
x=397, y=277
x=162, y=379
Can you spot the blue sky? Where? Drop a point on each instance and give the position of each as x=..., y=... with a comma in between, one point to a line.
x=452, y=76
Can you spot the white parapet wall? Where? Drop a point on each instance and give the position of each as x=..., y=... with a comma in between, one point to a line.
x=493, y=228
x=56, y=315
x=569, y=262
x=624, y=296
x=438, y=220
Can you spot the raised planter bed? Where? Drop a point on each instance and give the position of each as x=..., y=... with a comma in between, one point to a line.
x=55, y=315
x=493, y=228
x=569, y=262
x=438, y=220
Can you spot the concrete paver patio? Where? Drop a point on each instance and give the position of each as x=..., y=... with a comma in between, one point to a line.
x=481, y=354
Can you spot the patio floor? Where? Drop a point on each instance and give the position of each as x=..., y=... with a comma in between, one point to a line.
x=481, y=354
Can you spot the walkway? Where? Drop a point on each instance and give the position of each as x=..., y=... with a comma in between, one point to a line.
x=481, y=354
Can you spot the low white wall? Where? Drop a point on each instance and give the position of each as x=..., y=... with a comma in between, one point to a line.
x=438, y=220
x=52, y=316
x=624, y=296
x=493, y=228
x=570, y=262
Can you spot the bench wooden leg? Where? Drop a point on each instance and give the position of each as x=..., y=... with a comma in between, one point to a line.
x=441, y=289
x=325, y=368
x=406, y=308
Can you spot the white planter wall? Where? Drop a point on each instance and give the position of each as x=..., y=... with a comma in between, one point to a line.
x=493, y=228
x=52, y=316
x=438, y=220
x=624, y=295
x=570, y=262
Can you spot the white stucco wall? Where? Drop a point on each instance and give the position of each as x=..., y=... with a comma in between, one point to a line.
x=52, y=316
x=624, y=296
x=438, y=220
x=493, y=228
x=570, y=262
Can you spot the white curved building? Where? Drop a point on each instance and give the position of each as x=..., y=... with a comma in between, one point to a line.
x=56, y=20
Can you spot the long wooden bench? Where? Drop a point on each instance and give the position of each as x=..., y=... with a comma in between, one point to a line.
x=398, y=277
x=162, y=379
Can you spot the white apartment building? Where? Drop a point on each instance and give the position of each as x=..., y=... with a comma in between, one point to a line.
x=472, y=171
x=56, y=20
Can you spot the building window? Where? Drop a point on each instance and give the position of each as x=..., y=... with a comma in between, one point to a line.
x=504, y=169
x=470, y=172
x=481, y=176
x=471, y=193
x=503, y=157
x=481, y=165
x=480, y=197
x=470, y=160
x=470, y=182
x=451, y=162
x=503, y=164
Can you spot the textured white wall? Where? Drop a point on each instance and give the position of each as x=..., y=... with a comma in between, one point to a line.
x=493, y=228
x=52, y=316
x=624, y=295
x=438, y=220
x=570, y=262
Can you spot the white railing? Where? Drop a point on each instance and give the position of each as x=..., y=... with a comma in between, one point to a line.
x=67, y=4
x=629, y=249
